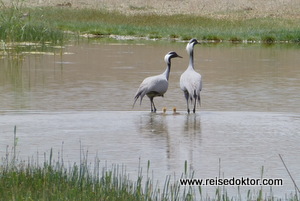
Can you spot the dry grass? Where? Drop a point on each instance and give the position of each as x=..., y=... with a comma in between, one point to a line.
x=236, y=9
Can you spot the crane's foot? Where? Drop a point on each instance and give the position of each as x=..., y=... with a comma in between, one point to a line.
x=194, y=110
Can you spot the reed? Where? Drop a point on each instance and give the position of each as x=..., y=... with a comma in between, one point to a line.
x=17, y=25
x=53, y=180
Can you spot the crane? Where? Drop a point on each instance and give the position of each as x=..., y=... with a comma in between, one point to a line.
x=156, y=85
x=190, y=80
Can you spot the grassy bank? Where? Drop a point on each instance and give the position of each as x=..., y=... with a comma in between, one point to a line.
x=48, y=24
x=175, y=26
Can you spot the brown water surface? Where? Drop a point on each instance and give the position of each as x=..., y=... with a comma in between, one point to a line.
x=83, y=98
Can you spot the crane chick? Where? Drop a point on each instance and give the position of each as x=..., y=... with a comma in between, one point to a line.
x=190, y=80
x=155, y=85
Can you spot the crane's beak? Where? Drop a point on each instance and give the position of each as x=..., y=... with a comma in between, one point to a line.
x=179, y=56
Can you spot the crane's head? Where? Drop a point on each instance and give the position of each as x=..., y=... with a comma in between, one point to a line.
x=190, y=45
x=171, y=55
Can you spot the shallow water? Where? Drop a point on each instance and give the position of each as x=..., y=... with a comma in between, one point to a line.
x=82, y=100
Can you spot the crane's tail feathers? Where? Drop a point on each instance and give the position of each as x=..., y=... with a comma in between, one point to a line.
x=135, y=99
x=137, y=96
x=134, y=102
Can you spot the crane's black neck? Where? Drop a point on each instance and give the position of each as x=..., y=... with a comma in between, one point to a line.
x=168, y=69
x=191, y=63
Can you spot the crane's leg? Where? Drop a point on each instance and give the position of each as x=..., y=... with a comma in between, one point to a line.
x=195, y=101
x=186, y=95
x=151, y=99
x=153, y=108
x=194, y=110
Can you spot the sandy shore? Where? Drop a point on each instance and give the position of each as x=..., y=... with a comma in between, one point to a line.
x=211, y=8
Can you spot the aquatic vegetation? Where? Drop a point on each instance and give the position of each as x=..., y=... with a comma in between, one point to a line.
x=16, y=24
x=54, y=180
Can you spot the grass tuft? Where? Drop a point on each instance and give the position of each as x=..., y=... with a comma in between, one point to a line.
x=269, y=39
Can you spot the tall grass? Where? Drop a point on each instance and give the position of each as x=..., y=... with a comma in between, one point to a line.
x=17, y=25
x=53, y=180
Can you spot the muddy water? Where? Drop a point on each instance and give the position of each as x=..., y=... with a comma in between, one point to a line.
x=82, y=99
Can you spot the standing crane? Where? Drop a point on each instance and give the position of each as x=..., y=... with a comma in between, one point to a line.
x=155, y=85
x=190, y=80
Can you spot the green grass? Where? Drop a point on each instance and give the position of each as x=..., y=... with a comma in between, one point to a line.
x=53, y=180
x=16, y=26
x=20, y=180
x=49, y=22
x=163, y=26
x=182, y=26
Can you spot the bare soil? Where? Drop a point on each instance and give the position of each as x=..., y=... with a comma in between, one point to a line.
x=209, y=8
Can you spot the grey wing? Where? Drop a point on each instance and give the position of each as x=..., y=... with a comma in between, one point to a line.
x=158, y=85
